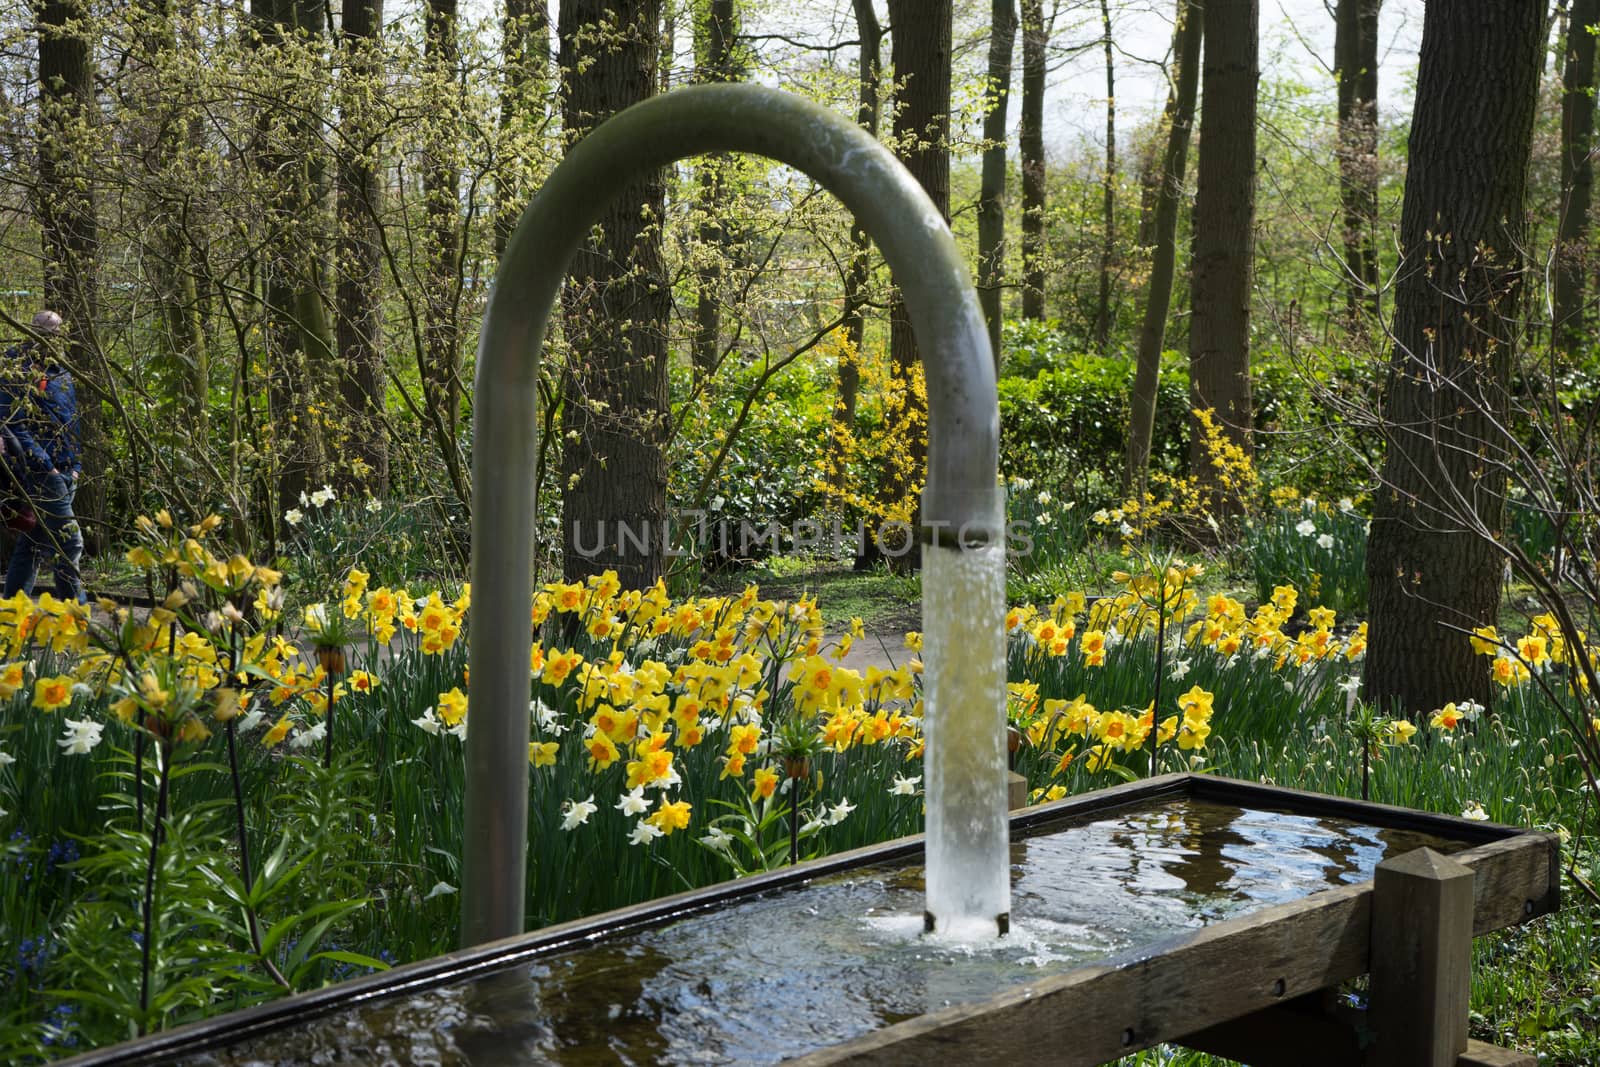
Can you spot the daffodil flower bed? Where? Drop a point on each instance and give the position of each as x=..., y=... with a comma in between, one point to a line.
x=247, y=815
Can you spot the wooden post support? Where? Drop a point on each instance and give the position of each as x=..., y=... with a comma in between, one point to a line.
x=1479, y=1054
x=1421, y=953
x=1016, y=791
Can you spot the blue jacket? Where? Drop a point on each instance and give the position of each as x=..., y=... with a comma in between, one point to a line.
x=39, y=415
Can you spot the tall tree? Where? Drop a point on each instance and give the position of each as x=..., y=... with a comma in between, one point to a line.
x=359, y=315
x=1178, y=119
x=716, y=28
x=1462, y=235
x=1224, y=234
x=614, y=388
x=68, y=222
x=167, y=246
x=1572, y=262
x=441, y=194
x=288, y=35
x=1355, y=59
x=920, y=34
x=1030, y=145
x=525, y=85
x=992, y=190
x=1102, y=312
x=868, y=70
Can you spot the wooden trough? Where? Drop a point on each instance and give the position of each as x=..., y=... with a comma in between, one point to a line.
x=1259, y=987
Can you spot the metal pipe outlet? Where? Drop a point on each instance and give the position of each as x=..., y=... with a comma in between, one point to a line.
x=963, y=408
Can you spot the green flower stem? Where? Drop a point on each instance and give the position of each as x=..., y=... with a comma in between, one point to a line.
x=163, y=755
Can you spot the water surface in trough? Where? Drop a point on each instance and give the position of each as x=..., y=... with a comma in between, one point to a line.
x=805, y=967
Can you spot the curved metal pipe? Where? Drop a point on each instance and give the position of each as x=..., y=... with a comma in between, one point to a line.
x=963, y=409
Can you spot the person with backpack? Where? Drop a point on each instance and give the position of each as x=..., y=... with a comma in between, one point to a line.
x=40, y=435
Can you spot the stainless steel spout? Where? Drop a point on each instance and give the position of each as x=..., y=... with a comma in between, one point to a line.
x=963, y=409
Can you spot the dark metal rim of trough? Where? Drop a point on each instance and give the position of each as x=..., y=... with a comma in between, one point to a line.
x=481, y=960
x=963, y=401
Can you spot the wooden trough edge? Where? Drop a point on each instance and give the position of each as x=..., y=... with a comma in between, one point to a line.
x=1171, y=989
x=465, y=964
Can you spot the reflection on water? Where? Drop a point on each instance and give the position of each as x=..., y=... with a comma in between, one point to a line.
x=810, y=966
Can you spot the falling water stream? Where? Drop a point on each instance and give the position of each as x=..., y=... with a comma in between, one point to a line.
x=792, y=970
x=964, y=723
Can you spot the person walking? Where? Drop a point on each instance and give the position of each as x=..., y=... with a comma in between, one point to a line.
x=39, y=424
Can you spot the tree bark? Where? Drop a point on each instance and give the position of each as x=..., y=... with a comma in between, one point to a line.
x=525, y=53
x=70, y=230
x=615, y=414
x=359, y=329
x=716, y=29
x=1030, y=145
x=920, y=34
x=1355, y=57
x=1572, y=264
x=441, y=177
x=869, y=66
x=1102, y=312
x=1430, y=560
x=992, y=190
x=1224, y=236
x=1188, y=30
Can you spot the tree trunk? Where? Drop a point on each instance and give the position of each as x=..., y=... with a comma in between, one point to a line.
x=297, y=327
x=1224, y=236
x=1188, y=29
x=1102, y=313
x=358, y=334
x=859, y=274
x=441, y=176
x=1030, y=144
x=70, y=231
x=992, y=191
x=1568, y=327
x=920, y=34
x=165, y=244
x=525, y=53
x=716, y=29
x=1462, y=235
x=615, y=414
x=1355, y=57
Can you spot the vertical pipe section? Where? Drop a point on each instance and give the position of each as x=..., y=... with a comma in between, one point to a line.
x=963, y=409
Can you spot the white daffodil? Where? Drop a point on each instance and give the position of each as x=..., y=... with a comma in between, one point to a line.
x=643, y=834
x=1325, y=541
x=428, y=722
x=307, y=738
x=717, y=838
x=903, y=786
x=576, y=812
x=252, y=720
x=81, y=737
x=1305, y=527
x=1475, y=812
x=837, y=813
x=440, y=889
x=1179, y=669
x=6, y=759
x=294, y=516
x=374, y=505
x=322, y=497
x=634, y=803
x=546, y=718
